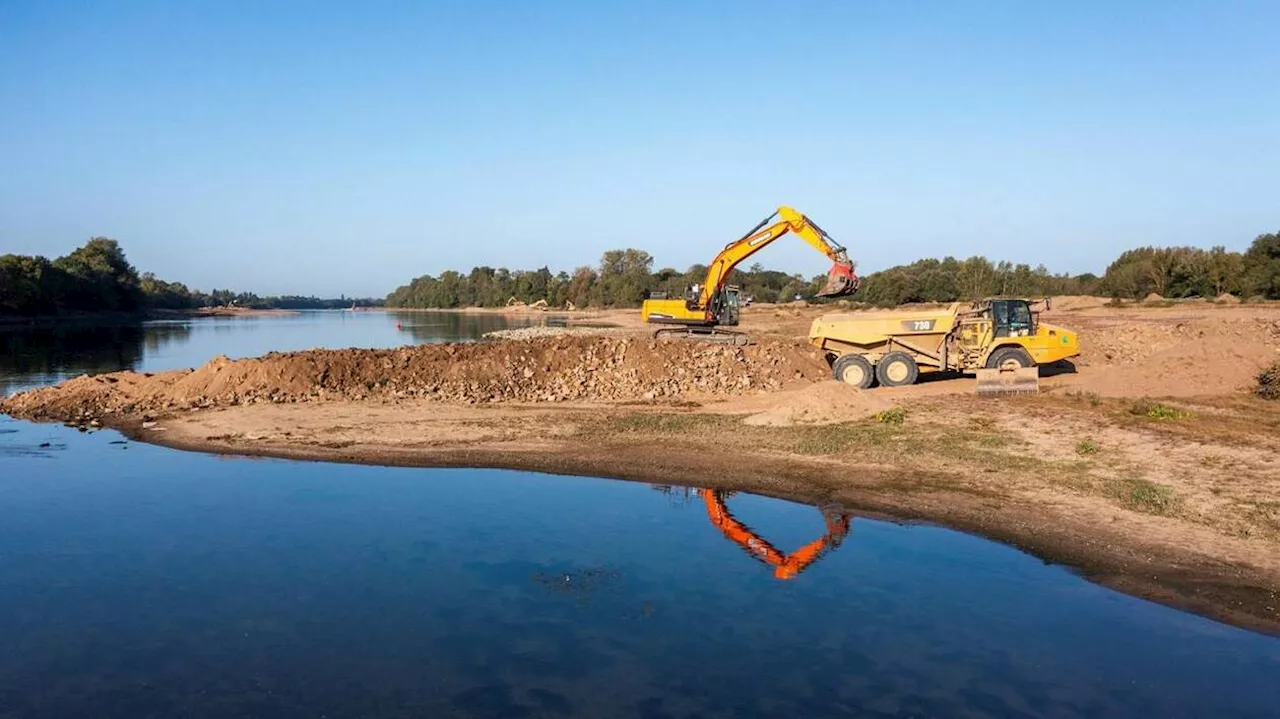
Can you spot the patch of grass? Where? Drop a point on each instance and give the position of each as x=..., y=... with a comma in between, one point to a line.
x=1145, y=496
x=665, y=422
x=1269, y=383
x=994, y=440
x=893, y=415
x=1265, y=515
x=1087, y=446
x=1216, y=461
x=1093, y=398
x=837, y=438
x=982, y=423
x=1155, y=410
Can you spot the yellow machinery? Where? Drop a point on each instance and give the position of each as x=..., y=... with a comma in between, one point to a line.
x=713, y=303
x=1001, y=340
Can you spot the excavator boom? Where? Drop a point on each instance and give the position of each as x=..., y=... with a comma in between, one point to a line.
x=841, y=280
x=708, y=305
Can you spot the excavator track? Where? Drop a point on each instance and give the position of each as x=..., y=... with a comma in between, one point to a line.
x=711, y=335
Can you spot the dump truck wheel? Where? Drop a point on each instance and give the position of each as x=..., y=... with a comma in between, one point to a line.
x=897, y=369
x=853, y=370
x=1010, y=358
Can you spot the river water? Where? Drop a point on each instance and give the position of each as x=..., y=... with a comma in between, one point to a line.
x=137, y=581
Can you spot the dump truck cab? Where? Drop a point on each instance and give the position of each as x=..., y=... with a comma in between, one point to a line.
x=895, y=347
x=999, y=322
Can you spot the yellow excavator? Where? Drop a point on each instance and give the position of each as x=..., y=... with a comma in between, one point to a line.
x=707, y=307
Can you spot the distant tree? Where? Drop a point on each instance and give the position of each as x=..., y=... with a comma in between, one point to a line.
x=101, y=277
x=1261, y=266
x=975, y=278
x=581, y=289
x=23, y=285
x=1225, y=270
x=625, y=277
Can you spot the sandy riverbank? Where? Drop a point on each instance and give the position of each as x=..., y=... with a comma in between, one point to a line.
x=1179, y=504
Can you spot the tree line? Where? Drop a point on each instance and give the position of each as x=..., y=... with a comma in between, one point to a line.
x=97, y=277
x=625, y=277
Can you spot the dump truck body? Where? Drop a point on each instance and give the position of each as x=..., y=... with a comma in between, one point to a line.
x=895, y=347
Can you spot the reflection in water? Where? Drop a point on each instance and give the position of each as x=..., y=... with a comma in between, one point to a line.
x=464, y=326
x=67, y=350
x=785, y=565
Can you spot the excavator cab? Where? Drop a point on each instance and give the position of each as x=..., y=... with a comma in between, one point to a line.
x=727, y=306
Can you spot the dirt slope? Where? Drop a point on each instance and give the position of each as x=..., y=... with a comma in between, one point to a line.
x=560, y=369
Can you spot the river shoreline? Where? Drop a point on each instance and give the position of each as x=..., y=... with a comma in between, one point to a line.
x=1162, y=558
x=122, y=318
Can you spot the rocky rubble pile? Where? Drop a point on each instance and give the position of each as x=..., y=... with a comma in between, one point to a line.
x=1269, y=383
x=534, y=333
x=557, y=369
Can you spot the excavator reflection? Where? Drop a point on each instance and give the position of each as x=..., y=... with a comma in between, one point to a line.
x=785, y=566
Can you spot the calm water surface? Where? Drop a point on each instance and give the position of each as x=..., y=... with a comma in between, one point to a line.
x=137, y=581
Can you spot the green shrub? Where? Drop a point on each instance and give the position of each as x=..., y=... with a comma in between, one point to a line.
x=1155, y=410
x=1087, y=446
x=893, y=415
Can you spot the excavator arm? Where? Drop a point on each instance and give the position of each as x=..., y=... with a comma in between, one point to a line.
x=841, y=280
x=785, y=566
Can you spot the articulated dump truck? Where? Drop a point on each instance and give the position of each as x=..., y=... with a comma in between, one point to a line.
x=1000, y=340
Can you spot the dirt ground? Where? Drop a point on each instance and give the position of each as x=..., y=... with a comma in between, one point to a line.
x=1149, y=468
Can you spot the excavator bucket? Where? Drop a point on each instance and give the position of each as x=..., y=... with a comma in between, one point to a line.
x=841, y=281
x=996, y=382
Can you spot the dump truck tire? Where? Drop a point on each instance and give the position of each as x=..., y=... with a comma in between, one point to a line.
x=897, y=369
x=853, y=370
x=1010, y=358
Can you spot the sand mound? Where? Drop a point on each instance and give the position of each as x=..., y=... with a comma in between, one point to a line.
x=1122, y=341
x=1179, y=357
x=1227, y=298
x=1153, y=297
x=1066, y=303
x=559, y=369
x=820, y=403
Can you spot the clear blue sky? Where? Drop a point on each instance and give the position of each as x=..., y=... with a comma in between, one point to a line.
x=343, y=147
